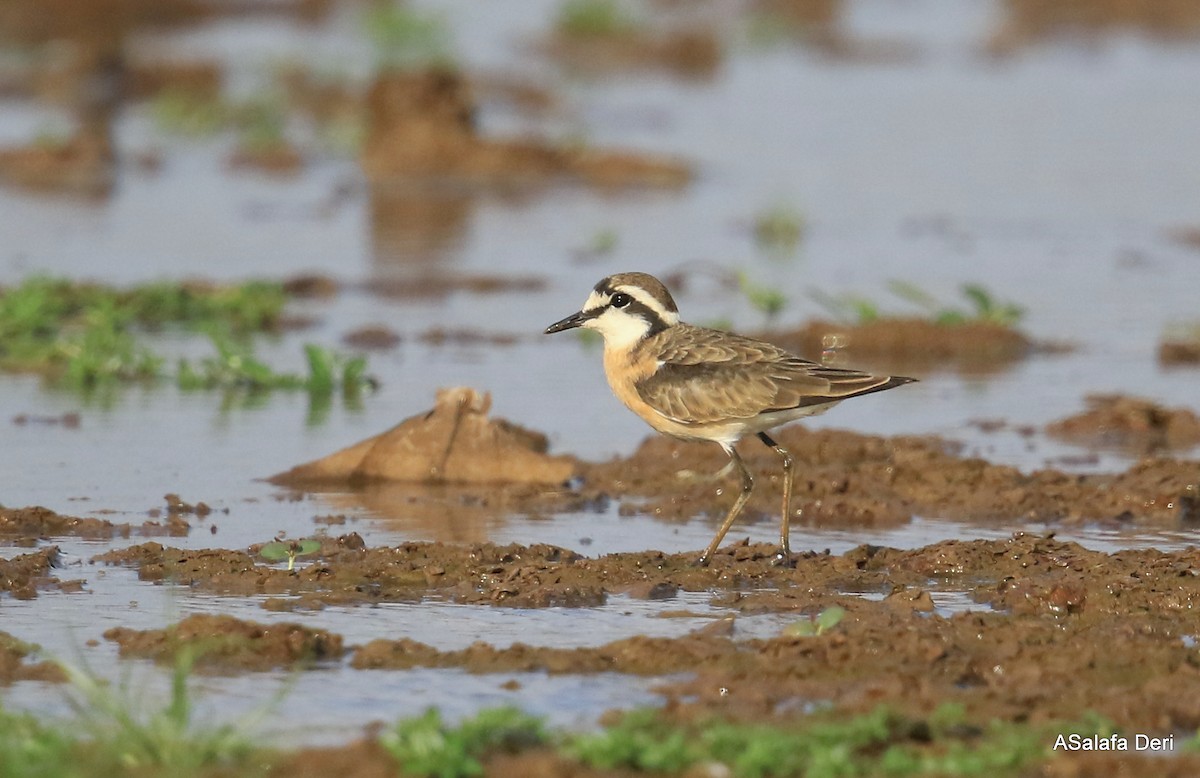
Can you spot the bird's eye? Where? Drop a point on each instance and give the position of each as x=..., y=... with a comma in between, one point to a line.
x=620, y=300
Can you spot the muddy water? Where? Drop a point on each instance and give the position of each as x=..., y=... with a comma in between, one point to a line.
x=1053, y=176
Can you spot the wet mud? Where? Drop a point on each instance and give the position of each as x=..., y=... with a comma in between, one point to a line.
x=693, y=51
x=16, y=663
x=1027, y=22
x=1054, y=629
x=847, y=479
x=913, y=345
x=24, y=575
x=1129, y=424
x=421, y=127
x=228, y=645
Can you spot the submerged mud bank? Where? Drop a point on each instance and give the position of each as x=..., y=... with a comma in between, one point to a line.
x=1057, y=628
x=848, y=479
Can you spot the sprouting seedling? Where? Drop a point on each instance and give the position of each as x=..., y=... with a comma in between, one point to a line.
x=819, y=625
x=847, y=308
x=780, y=228
x=765, y=298
x=289, y=549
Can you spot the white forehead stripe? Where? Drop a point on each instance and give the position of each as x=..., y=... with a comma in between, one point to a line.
x=595, y=300
x=651, y=302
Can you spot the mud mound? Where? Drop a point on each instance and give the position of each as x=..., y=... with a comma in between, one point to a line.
x=226, y=644
x=1029, y=21
x=25, y=575
x=453, y=442
x=421, y=127
x=13, y=666
x=847, y=479
x=38, y=522
x=693, y=52
x=909, y=344
x=1131, y=424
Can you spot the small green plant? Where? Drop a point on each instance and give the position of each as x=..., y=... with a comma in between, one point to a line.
x=819, y=624
x=641, y=740
x=426, y=746
x=132, y=738
x=280, y=549
x=405, y=39
x=593, y=19
x=983, y=307
x=184, y=112
x=261, y=125
x=235, y=367
x=779, y=229
x=767, y=299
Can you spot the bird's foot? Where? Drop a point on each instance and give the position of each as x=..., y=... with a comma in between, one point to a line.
x=701, y=561
x=783, y=558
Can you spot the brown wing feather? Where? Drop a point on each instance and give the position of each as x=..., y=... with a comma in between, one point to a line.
x=708, y=375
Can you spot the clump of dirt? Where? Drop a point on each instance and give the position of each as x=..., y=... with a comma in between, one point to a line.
x=847, y=479
x=13, y=666
x=1030, y=21
x=1180, y=345
x=1131, y=424
x=25, y=575
x=421, y=127
x=201, y=79
x=69, y=420
x=453, y=442
x=372, y=338
x=1059, y=629
x=692, y=52
x=1072, y=620
x=439, y=336
x=914, y=345
x=225, y=644
x=36, y=523
x=279, y=158
x=82, y=164
x=442, y=284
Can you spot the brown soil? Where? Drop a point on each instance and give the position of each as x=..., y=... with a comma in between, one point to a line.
x=280, y=159
x=441, y=284
x=372, y=338
x=455, y=442
x=225, y=644
x=1130, y=424
x=1028, y=21
x=81, y=165
x=25, y=575
x=1058, y=629
x=421, y=127
x=26, y=526
x=692, y=53
x=144, y=80
x=847, y=479
x=13, y=666
x=913, y=345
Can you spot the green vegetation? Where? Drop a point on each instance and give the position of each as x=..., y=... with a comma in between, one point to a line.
x=86, y=336
x=981, y=306
x=876, y=743
x=406, y=39
x=167, y=739
x=278, y=550
x=261, y=125
x=184, y=112
x=820, y=624
x=767, y=299
x=425, y=746
x=779, y=229
x=118, y=736
x=593, y=19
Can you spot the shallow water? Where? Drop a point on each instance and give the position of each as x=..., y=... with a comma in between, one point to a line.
x=1053, y=178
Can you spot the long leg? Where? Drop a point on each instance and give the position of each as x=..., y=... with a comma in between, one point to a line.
x=739, y=503
x=785, y=551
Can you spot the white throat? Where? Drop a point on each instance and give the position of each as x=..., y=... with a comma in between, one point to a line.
x=621, y=330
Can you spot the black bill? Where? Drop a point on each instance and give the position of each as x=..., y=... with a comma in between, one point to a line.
x=571, y=322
